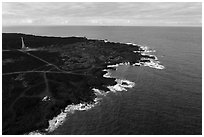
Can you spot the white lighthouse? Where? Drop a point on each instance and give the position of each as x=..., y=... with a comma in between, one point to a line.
x=23, y=44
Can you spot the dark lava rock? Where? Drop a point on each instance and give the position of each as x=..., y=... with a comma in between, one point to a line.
x=64, y=69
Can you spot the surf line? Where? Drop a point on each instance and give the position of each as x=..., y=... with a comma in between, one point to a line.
x=153, y=63
x=144, y=50
x=121, y=85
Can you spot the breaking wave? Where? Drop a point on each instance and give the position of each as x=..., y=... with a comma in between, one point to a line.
x=152, y=63
x=62, y=117
x=70, y=109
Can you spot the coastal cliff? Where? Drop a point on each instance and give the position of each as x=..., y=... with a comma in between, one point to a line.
x=53, y=72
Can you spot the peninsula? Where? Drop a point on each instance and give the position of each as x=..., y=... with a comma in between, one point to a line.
x=42, y=75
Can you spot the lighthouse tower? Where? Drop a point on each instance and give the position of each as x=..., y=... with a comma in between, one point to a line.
x=23, y=44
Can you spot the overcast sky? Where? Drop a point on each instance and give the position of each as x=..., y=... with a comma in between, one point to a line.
x=128, y=14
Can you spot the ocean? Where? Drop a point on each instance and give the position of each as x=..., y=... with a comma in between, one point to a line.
x=163, y=101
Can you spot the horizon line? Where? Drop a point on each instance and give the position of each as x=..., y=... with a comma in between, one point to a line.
x=101, y=26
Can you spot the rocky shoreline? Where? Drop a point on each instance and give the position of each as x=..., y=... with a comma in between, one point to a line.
x=62, y=75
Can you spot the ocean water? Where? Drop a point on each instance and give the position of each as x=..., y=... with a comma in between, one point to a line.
x=167, y=101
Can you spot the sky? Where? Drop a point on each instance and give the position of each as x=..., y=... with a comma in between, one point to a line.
x=102, y=14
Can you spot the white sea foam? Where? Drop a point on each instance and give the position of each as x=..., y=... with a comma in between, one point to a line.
x=116, y=65
x=121, y=85
x=108, y=74
x=113, y=66
x=99, y=92
x=116, y=88
x=129, y=43
x=153, y=63
x=138, y=51
x=61, y=118
x=125, y=83
x=148, y=51
x=137, y=64
x=35, y=133
x=145, y=48
x=70, y=109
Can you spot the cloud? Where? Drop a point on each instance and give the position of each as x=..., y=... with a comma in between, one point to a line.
x=110, y=13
